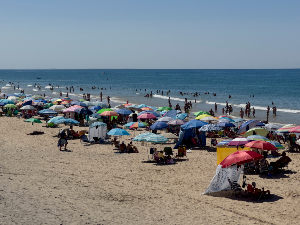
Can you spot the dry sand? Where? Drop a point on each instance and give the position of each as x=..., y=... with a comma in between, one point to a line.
x=94, y=185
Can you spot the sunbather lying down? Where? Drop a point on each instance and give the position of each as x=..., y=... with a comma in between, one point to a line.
x=36, y=133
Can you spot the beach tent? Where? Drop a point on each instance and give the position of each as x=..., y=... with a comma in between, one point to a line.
x=190, y=133
x=97, y=132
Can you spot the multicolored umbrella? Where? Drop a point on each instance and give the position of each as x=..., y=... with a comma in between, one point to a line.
x=202, y=116
x=277, y=145
x=137, y=125
x=201, y=113
x=286, y=128
x=224, y=142
x=176, y=122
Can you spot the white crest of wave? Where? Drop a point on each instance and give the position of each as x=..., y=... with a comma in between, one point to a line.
x=29, y=85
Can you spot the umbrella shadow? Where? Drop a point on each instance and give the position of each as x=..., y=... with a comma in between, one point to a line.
x=243, y=197
x=282, y=174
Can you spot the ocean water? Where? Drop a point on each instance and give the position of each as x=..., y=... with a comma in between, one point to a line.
x=122, y=85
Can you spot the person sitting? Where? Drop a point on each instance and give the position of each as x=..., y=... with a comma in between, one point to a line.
x=129, y=148
x=283, y=161
x=122, y=147
x=116, y=143
x=135, y=150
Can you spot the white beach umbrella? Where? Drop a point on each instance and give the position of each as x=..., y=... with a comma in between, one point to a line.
x=57, y=108
x=27, y=107
x=165, y=119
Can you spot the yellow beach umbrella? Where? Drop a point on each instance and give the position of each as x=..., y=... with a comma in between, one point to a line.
x=202, y=116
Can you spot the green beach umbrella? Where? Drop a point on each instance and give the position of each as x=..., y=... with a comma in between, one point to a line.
x=201, y=113
x=33, y=120
x=108, y=109
x=257, y=130
x=81, y=100
x=11, y=106
x=164, y=108
x=48, y=105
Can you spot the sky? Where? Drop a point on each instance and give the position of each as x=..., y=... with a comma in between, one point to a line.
x=138, y=34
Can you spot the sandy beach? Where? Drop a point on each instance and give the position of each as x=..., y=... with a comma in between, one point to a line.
x=93, y=184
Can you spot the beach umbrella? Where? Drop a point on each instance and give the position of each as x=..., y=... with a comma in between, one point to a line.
x=224, y=142
x=101, y=104
x=57, y=108
x=88, y=103
x=6, y=101
x=99, y=124
x=260, y=124
x=48, y=105
x=142, y=136
x=141, y=106
x=272, y=126
x=146, y=116
x=38, y=97
x=226, y=124
x=66, y=120
x=237, y=120
x=146, y=108
x=81, y=100
x=286, y=128
x=256, y=131
x=193, y=124
x=57, y=101
x=149, y=111
x=48, y=112
x=11, y=106
x=67, y=99
x=159, y=125
x=117, y=132
x=257, y=138
x=156, y=139
x=165, y=119
x=170, y=136
x=200, y=113
x=164, y=108
x=36, y=103
x=202, y=116
x=124, y=111
x=52, y=120
x=247, y=125
x=137, y=124
x=210, y=127
x=176, y=122
x=2, y=103
x=14, y=99
x=240, y=158
x=181, y=116
x=172, y=113
x=276, y=144
x=129, y=124
x=103, y=110
x=79, y=103
x=162, y=113
x=96, y=107
x=295, y=130
x=27, y=107
x=95, y=115
x=109, y=113
x=238, y=142
x=33, y=120
x=261, y=145
x=83, y=111
x=226, y=118
x=209, y=118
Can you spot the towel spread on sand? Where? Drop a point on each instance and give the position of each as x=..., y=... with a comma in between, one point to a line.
x=220, y=180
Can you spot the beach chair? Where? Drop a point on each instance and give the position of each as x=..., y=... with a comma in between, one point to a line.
x=235, y=186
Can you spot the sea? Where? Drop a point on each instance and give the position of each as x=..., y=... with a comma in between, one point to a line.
x=260, y=87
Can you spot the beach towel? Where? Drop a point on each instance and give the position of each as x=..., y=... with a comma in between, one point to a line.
x=220, y=180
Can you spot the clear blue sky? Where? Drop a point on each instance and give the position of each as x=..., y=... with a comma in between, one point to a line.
x=170, y=34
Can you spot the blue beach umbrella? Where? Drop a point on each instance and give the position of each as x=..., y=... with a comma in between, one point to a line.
x=181, y=116
x=83, y=111
x=129, y=124
x=96, y=115
x=124, y=111
x=101, y=104
x=159, y=125
x=70, y=121
x=54, y=119
x=142, y=136
x=193, y=124
x=96, y=108
x=210, y=127
x=156, y=139
x=79, y=103
x=247, y=125
x=226, y=124
x=7, y=101
x=117, y=132
x=48, y=112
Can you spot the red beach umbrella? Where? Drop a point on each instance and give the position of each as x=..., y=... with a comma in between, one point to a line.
x=109, y=113
x=240, y=157
x=261, y=145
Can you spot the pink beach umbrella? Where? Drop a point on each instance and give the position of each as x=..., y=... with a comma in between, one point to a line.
x=238, y=141
x=146, y=116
